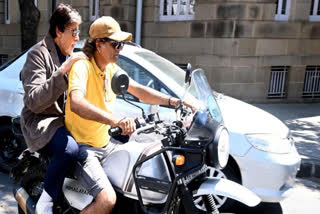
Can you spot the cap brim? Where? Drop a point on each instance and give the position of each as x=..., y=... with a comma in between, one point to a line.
x=121, y=36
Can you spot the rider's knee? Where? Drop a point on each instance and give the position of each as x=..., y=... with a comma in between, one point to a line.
x=109, y=198
x=72, y=151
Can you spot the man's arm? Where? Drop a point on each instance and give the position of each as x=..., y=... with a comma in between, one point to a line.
x=150, y=95
x=40, y=92
x=82, y=107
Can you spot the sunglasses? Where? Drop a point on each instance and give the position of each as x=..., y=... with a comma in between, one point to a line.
x=115, y=44
x=75, y=32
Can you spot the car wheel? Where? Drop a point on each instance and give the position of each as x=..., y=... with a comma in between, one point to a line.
x=222, y=203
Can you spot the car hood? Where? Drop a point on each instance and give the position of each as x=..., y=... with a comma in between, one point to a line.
x=241, y=117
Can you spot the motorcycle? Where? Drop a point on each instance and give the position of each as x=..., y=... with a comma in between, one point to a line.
x=161, y=169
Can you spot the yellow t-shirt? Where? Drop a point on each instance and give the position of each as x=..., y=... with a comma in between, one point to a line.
x=86, y=76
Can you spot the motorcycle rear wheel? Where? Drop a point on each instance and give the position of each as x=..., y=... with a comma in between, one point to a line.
x=33, y=181
x=10, y=148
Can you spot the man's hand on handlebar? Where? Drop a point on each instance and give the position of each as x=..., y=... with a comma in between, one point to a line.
x=188, y=103
x=127, y=125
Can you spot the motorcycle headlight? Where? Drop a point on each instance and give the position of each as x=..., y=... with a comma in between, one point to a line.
x=270, y=143
x=223, y=148
x=218, y=149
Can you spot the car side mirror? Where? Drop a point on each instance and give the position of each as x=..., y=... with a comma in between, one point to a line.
x=187, y=79
x=120, y=83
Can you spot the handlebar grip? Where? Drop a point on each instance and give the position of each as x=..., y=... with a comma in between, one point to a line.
x=115, y=131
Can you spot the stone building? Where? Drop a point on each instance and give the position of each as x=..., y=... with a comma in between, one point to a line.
x=254, y=50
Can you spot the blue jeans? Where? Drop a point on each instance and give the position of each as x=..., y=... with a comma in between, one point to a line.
x=63, y=150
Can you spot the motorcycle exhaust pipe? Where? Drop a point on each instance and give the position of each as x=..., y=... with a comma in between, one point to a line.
x=24, y=200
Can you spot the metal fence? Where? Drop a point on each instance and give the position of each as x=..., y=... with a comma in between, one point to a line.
x=311, y=87
x=277, y=84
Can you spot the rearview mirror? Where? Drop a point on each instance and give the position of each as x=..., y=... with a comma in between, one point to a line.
x=120, y=83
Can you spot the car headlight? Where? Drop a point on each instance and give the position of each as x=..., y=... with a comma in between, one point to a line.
x=270, y=143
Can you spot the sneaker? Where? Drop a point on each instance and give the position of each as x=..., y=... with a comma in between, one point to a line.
x=44, y=207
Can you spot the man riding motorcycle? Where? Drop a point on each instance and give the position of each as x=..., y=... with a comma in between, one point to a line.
x=90, y=105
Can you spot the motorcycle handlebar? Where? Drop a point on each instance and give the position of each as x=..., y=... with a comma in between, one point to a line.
x=116, y=131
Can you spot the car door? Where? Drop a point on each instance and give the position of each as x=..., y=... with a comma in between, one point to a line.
x=144, y=77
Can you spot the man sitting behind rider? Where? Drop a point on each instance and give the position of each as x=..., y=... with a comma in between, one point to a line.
x=89, y=109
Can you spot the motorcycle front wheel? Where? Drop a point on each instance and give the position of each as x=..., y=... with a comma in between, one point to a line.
x=223, y=203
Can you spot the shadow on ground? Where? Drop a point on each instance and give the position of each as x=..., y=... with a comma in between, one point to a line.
x=7, y=201
x=306, y=135
x=304, y=121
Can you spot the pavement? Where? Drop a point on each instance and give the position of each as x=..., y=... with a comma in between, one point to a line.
x=304, y=122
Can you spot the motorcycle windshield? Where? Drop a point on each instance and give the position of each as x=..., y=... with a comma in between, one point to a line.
x=208, y=116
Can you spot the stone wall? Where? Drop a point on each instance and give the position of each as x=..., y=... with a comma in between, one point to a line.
x=122, y=10
x=237, y=42
x=2, y=12
x=10, y=42
x=10, y=36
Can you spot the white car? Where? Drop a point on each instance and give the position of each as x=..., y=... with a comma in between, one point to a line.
x=263, y=156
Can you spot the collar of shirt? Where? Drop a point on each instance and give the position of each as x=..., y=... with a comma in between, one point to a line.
x=97, y=70
x=62, y=58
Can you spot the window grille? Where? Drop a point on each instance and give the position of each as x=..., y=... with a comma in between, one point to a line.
x=7, y=11
x=282, y=10
x=3, y=59
x=314, y=11
x=277, y=84
x=311, y=87
x=177, y=10
x=93, y=9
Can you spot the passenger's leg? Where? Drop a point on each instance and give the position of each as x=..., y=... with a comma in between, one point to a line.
x=63, y=150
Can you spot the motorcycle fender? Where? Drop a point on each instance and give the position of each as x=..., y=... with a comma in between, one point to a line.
x=230, y=189
x=76, y=195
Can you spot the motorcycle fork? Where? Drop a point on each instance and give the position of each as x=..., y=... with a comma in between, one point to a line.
x=187, y=200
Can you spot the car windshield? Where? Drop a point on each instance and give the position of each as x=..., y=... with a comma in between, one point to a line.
x=2, y=67
x=168, y=68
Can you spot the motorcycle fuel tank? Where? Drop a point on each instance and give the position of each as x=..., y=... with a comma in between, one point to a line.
x=119, y=165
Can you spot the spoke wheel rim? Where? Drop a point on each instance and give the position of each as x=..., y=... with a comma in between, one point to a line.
x=219, y=200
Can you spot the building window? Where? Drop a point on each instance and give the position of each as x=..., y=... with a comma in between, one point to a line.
x=3, y=59
x=314, y=11
x=277, y=84
x=177, y=10
x=311, y=86
x=7, y=11
x=93, y=9
x=282, y=10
